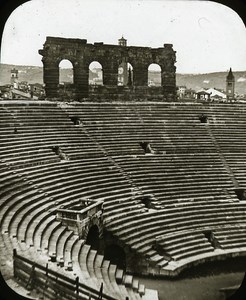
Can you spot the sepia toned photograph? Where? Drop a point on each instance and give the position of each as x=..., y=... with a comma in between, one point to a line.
x=123, y=150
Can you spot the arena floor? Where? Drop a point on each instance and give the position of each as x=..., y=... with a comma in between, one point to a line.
x=200, y=283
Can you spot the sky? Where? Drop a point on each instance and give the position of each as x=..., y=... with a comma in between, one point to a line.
x=207, y=36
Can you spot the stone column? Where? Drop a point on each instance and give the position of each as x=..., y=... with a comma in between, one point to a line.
x=140, y=75
x=168, y=83
x=168, y=73
x=110, y=72
x=51, y=77
x=81, y=80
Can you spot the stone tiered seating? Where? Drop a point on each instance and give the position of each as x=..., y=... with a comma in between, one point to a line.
x=237, y=163
x=186, y=175
x=33, y=223
x=120, y=127
x=88, y=178
x=143, y=228
x=173, y=178
x=231, y=237
x=117, y=129
x=35, y=129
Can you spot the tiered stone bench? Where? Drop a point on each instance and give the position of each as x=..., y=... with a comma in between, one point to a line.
x=46, y=235
x=189, y=174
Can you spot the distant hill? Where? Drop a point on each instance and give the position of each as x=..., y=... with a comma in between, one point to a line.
x=213, y=80
x=33, y=74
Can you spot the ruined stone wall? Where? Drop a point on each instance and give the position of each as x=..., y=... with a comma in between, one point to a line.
x=81, y=54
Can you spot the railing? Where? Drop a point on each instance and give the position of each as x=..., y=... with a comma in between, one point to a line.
x=51, y=284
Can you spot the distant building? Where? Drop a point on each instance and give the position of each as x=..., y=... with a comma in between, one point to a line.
x=184, y=92
x=122, y=71
x=14, y=78
x=181, y=91
x=5, y=91
x=216, y=94
x=230, y=86
x=190, y=93
x=122, y=42
x=37, y=89
x=17, y=94
x=202, y=95
x=23, y=86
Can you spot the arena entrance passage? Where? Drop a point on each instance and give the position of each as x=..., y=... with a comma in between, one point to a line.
x=241, y=194
x=93, y=238
x=146, y=147
x=76, y=120
x=81, y=54
x=116, y=255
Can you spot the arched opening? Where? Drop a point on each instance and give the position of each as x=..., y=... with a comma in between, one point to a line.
x=154, y=75
x=241, y=194
x=66, y=78
x=146, y=147
x=95, y=73
x=125, y=74
x=203, y=118
x=116, y=255
x=59, y=152
x=212, y=239
x=66, y=72
x=93, y=237
x=76, y=120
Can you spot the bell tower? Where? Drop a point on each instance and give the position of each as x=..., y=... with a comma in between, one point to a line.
x=230, y=85
x=14, y=77
x=123, y=72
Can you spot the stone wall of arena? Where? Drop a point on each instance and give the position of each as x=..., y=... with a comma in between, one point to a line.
x=81, y=54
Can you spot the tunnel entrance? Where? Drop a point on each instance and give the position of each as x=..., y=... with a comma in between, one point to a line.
x=76, y=120
x=241, y=194
x=212, y=239
x=93, y=237
x=116, y=255
x=203, y=118
x=146, y=147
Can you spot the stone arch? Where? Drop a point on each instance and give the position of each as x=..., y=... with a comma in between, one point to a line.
x=93, y=238
x=116, y=255
x=125, y=74
x=109, y=56
x=95, y=73
x=154, y=75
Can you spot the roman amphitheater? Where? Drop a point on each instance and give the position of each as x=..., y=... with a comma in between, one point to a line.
x=117, y=182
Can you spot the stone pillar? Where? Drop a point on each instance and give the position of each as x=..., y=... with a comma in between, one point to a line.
x=168, y=82
x=168, y=73
x=110, y=73
x=140, y=75
x=51, y=78
x=81, y=80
